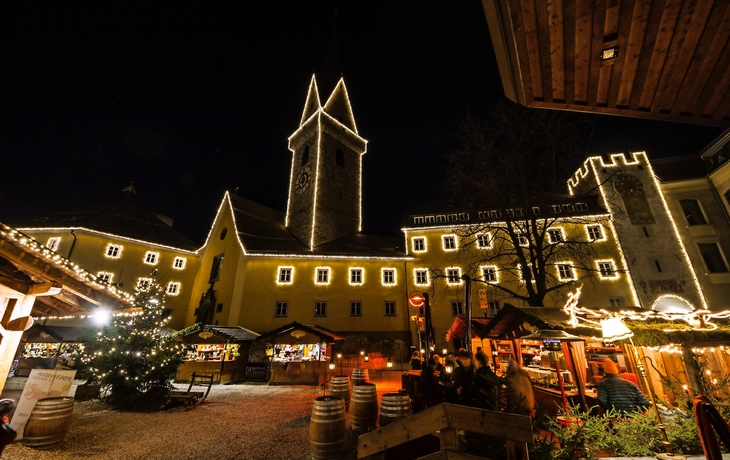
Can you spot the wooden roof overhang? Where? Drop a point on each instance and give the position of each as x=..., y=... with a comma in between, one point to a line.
x=671, y=61
x=62, y=289
x=300, y=333
x=200, y=333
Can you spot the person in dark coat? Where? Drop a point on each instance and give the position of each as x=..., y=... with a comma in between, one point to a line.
x=620, y=394
x=464, y=375
x=429, y=387
x=416, y=361
x=484, y=389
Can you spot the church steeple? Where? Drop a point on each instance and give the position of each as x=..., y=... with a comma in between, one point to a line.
x=325, y=184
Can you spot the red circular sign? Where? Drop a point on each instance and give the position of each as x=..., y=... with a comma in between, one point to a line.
x=416, y=300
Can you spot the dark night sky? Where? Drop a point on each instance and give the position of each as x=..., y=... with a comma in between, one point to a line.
x=193, y=100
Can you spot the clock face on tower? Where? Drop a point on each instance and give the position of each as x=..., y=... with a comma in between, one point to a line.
x=628, y=185
x=302, y=180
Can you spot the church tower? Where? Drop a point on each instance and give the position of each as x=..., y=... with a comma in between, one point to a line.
x=325, y=184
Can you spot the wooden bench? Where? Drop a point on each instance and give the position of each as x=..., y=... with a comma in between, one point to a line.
x=191, y=398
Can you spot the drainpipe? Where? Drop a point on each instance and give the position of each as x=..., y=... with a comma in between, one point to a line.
x=68, y=257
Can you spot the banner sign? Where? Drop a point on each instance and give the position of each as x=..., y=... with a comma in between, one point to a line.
x=42, y=383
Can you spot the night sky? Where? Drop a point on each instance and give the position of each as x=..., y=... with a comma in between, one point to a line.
x=192, y=100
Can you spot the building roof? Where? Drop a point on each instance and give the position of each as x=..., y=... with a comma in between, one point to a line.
x=40, y=333
x=215, y=334
x=262, y=230
x=681, y=168
x=124, y=218
x=300, y=333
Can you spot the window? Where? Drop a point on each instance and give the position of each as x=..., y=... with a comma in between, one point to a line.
x=419, y=244
x=144, y=284
x=606, y=269
x=595, y=233
x=219, y=308
x=449, y=242
x=494, y=307
x=430, y=219
x=285, y=275
x=556, y=235
x=179, y=263
x=281, y=308
x=356, y=308
x=440, y=218
x=215, y=268
x=388, y=276
x=522, y=239
x=356, y=276
x=173, y=288
x=320, y=308
x=489, y=274
x=114, y=251
x=105, y=276
x=421, y=276
x=457, y=308
x=566, y=272
x=616, y=302
x=151, y=258
x=322, y=275
x=418, y=220
x=692, y=212
x=453, y=275
x=463, y=216
x=581, y=206
x=484, y=241
x=390, y=308
x=536, y=210
x=53, y=243
x=714, y=261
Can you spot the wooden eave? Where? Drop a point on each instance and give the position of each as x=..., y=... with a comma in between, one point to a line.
x=672, y=62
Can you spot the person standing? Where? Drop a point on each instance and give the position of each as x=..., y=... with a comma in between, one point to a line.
x=464, y=376
x=484, y=389
x=619, y=394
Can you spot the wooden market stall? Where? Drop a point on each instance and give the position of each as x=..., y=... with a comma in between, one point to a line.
x=221, y=351
x=46, y=347
x=299, y=353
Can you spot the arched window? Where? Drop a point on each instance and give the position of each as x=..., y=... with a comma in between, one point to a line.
x=305, y=156
x=340, y=157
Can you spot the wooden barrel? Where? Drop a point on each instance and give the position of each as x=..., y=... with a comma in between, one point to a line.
x=394, y=406
x=48, y=422
x=340, y=386
x=359, y=376
x=327, y=428
x=364, y=407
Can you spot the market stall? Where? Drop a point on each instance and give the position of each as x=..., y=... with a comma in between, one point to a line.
x=48, y=347
x=221, y=351
x=299, y=353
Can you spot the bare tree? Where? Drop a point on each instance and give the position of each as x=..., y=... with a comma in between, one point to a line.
x=511, y=170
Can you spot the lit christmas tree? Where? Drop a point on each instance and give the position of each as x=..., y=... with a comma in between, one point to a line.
x=131, y=356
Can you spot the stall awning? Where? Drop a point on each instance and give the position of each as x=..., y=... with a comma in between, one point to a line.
x=300, y=333
x=202, y=333
x=39, y=333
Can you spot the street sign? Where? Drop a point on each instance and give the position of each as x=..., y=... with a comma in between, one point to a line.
x=483, y=299
x=416, y=299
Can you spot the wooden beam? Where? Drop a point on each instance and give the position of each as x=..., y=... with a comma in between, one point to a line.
x=650, y=37
x=599, y=16
x=492, y=423
x=523, y=57
x=583, y=34
x=396, y=433
x=449, y=455
x=632, y=52
x=543, y=29
x=556, y=50
x=529, y=20
x=569, y=26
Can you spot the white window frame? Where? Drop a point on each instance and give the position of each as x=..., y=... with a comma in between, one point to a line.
x=449, y=242
x=320, y=313
x=719, y=250
x=453, y=276
x=113, y=251
x=173, y=288
x=484, y=240
x=285, y=275
x=561, y=233
x=389, y=303
x=600, y=230
x=566, y=271
x=281, y=308
x=53, y=243
x=485, y=269
x=493, y=307
x=421, y=273
x=356, y=308
x=522, y=240
x=604, y=274
x=179, y=263
x=322, y=276
x=415, y=244
x=151, y=257
x=388, y=276
x=357, y=276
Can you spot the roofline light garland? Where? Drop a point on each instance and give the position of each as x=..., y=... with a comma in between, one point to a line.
x=501, y=223
x=56, y=229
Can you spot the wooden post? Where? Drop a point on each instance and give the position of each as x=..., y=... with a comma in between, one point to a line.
x=449, y=439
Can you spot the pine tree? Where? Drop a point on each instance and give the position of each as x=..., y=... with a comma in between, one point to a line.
x=131, y=356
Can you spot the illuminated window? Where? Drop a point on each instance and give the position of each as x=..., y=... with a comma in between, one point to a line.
x=356, y=308
x=390, y=308
x=421, y=276
x=281, y=308
x=322, y=275
x=419, y=244
x=442, y=218
x=595, y=233
x=151, y=258
x=606, y=269
x=285, y=275
x=489, y=274
x=693, y=212
x=144, y=284
x=114, y=251
x=616, y=302
x=179, y=263
x=566, y=272
x=388, y=276
x=456, y=308
x=494, y=307
x=53, y=243
x=173, y=288
x=556, y=235
x=453, y=275
x=356, y=276
x=522, y=239
x=320, y=308
x=105, y=276
x=449, y=242
x=714, y=260
x=484, y=241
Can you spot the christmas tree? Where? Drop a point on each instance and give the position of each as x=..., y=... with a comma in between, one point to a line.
x=132, y=355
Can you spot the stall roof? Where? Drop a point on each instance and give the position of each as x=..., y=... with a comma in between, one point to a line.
x=218, y=334
x=300, y=333
x=39, y=333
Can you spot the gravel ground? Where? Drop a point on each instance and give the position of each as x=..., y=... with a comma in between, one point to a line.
x=235, y=422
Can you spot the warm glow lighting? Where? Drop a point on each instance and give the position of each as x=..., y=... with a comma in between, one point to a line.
x=101, y=317
x=424, y=276
x=332, y=365
x=388, y=276
x=285, y=275
x=389, y=364
x=151, y=257
x=367, y=358
x=357, y=276
x=450, y=242
x=614, y=329
x=448, y=369
x=322, y=276
x=418, y=242
x=179, y=263
x=173, y=288
x=113, y=251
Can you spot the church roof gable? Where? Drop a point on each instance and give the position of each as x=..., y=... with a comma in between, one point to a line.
x=312, y=105
x=338, y=106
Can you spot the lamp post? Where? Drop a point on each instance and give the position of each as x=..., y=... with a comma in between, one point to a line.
x=339, y=356
x=614, y=329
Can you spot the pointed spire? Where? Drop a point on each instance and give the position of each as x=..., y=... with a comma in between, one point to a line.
x=338, y=106
x=130, y=190
x=312, y=104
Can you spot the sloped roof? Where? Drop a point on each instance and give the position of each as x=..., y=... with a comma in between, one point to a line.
x=284, y=334
x=39, y=333
x=123, y=218
x=679, y=168
x=227, y=334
